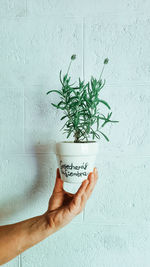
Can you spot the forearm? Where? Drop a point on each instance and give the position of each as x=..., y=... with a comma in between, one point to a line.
x=16, y=238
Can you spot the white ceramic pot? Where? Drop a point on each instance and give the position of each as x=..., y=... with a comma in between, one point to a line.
x=76, y=160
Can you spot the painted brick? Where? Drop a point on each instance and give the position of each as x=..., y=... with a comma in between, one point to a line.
x=130, y=106
x=49, y=41
x=11, y=120
x=12, y=263
x=27, y=183
x=12, y=52
x=34, y=45
x=85, y=7
x=28, y=45
x=40, y=118
x=13, y=8
x=121, y=195
x=123, y=43
x=91, y=245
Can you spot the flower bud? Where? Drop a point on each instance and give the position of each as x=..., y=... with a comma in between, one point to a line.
x=73, y=57
x=106, y=60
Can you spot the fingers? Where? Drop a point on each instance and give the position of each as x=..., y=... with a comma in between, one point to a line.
x=68, y=194
x=76, y=205
x=84, y=192
x=58, y=173
x=59, y=183
x=80, y=198
x=82, y=188
x=92, y=177
x=86, y=188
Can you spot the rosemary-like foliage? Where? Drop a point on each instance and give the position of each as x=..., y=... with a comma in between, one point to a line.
x=80, y=105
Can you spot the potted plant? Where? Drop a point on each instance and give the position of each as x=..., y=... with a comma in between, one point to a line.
x=84, y=121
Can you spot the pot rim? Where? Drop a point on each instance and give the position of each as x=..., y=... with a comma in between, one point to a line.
x=76, y=149
x=72, y=142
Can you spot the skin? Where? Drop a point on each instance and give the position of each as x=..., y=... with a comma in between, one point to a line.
x=62, y=208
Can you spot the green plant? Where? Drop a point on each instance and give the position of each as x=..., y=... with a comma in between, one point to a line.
x=80, y=106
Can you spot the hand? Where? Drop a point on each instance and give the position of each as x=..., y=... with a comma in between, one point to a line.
x=64, y=206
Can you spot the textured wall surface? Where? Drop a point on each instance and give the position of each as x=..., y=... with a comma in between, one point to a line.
x=37, y=38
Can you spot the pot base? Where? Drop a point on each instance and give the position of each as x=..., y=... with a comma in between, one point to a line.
x=71, y=187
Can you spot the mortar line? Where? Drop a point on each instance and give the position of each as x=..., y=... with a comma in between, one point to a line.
x=97, y=16
x=20, y=261
x=83, y=28
x=83, y=216
x=26, y=7
x=117, y=84
x=86, y=223
x=46, y=153
x=23, y=122
x=83, y=76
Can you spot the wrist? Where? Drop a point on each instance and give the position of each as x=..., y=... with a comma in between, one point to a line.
x=45, y=226
x=50, y=226
x=32, y=231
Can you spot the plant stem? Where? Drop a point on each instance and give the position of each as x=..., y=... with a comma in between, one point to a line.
x=102, y=72
x=76, y=135
x=69, y=67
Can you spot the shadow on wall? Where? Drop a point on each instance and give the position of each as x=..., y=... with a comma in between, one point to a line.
x=44, y=166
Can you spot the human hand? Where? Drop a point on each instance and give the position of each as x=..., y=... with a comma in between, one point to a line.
x=64, y=206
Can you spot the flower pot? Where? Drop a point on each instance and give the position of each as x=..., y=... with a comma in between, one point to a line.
x=76, y=160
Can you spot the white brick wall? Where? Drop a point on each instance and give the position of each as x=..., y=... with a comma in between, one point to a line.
x=37, y=39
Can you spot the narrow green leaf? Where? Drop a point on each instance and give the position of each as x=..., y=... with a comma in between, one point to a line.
x=55, y=91
x=72, y=84
x=97, y=135
x=58, y=107
x=104, y=102
x=104, y=136
x=64, y=125
x=106, y=121
x=101, y=118
x=65, y=77
x=54, y=105
x=64, y=117
x=114, y=121
x=69, y=134
x=109, y=115
x=102, y=84
x=60, y=77
x=61, y=103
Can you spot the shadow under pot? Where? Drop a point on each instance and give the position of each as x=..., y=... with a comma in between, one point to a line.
x=76, y=160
